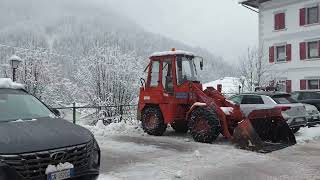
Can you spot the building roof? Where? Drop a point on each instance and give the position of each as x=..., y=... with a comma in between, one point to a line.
x=252, y=3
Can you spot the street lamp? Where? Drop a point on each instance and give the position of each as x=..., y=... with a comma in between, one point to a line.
x=14, y=62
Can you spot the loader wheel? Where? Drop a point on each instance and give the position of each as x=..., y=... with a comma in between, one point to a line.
x=152, y=121
x=204, y=125
x=180, y=127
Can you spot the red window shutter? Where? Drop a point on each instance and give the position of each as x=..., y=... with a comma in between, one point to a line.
x=282, y=21
x=302, y=16
x=271, y=54
x=303, y=51
x=303, y=84
x=276, y=22
x=319, y=48
x=288, y=49
x=279, y=21
x=288, y=86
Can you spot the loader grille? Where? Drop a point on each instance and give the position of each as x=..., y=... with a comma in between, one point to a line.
x=33, y=165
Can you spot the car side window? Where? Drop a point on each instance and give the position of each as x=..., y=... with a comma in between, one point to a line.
x=252, y=99
x=236, y=99
x=295, y=96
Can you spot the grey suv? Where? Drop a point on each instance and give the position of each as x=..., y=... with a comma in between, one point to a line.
x=295, y=113
x=37, y=145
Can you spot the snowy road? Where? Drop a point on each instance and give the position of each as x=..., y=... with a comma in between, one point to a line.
x=178, y=157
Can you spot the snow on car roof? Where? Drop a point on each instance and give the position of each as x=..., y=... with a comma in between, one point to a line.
x=7, y=83
x=176, y=52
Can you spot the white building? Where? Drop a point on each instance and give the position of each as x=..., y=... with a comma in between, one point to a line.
x=291, y=31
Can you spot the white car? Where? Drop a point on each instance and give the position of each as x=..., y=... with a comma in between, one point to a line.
x=293, y=112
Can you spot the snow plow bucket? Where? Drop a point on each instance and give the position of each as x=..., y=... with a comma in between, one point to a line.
x=263, y=131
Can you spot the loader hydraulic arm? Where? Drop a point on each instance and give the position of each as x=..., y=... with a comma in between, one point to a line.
x=215, y=100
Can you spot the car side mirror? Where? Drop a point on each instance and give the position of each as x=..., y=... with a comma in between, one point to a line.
x=201, y=64
x=56, y=112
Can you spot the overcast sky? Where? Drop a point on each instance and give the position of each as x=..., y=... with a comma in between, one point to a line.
x=221, y=26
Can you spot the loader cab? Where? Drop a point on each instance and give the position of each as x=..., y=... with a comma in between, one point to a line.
x=171, y=69
x=167, y=84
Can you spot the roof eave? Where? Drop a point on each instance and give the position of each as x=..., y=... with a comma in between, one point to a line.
x=253, y=3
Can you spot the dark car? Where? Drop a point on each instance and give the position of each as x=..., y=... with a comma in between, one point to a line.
x=308, y=97
x=36, y=144
x=312, y=98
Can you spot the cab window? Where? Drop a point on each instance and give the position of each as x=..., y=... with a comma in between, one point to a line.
x=154, y=81
x=167, y=81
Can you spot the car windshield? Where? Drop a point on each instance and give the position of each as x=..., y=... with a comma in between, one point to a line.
x=283, y=99
x=186, y=70
x=310, y=95
x=18, y=105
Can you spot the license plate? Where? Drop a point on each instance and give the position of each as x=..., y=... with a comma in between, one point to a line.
x=65, y=174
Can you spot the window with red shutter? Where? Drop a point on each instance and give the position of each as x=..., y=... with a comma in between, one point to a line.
x=271, y=54
x=288, y=52
x=303, y=51
x=279, y=21
x=302, y=16
x=288, y=86
x=303, y=84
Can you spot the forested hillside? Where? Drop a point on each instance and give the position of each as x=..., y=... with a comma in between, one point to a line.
x=76, y=50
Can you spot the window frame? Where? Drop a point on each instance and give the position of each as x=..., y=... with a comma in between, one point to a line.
x=308, y=49
x=307, y=19
x=285, y=53
x=308, y=84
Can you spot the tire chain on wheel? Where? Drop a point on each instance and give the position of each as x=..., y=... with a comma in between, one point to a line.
x=160, y=127
x=212, y=118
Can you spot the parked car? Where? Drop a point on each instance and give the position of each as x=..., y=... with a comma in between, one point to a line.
x=313, y=115
x=36, y=144
x=312, y=98
x=308, y=97
x=294, y=112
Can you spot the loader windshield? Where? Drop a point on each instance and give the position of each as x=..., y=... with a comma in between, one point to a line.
x=186, y=69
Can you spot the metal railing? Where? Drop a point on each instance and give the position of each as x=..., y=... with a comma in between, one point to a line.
x=114, y=113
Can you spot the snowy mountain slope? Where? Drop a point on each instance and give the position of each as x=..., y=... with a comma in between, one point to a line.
x=80, y=50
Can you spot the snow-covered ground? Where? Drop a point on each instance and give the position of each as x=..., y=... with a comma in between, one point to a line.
x=128, y=153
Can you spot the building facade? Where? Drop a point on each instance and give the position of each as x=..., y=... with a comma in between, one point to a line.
x=290, y=31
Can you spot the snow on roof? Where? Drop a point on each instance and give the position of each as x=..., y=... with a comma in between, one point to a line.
x=176, y=52
x=9, y=84
x=15, y=57
x=229, y=84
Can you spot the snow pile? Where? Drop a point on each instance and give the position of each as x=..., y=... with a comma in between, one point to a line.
x=8, y=83
x=229, y=84
x=121, y=128
x=307, y=134
x=178, y=174
x=59, y=167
